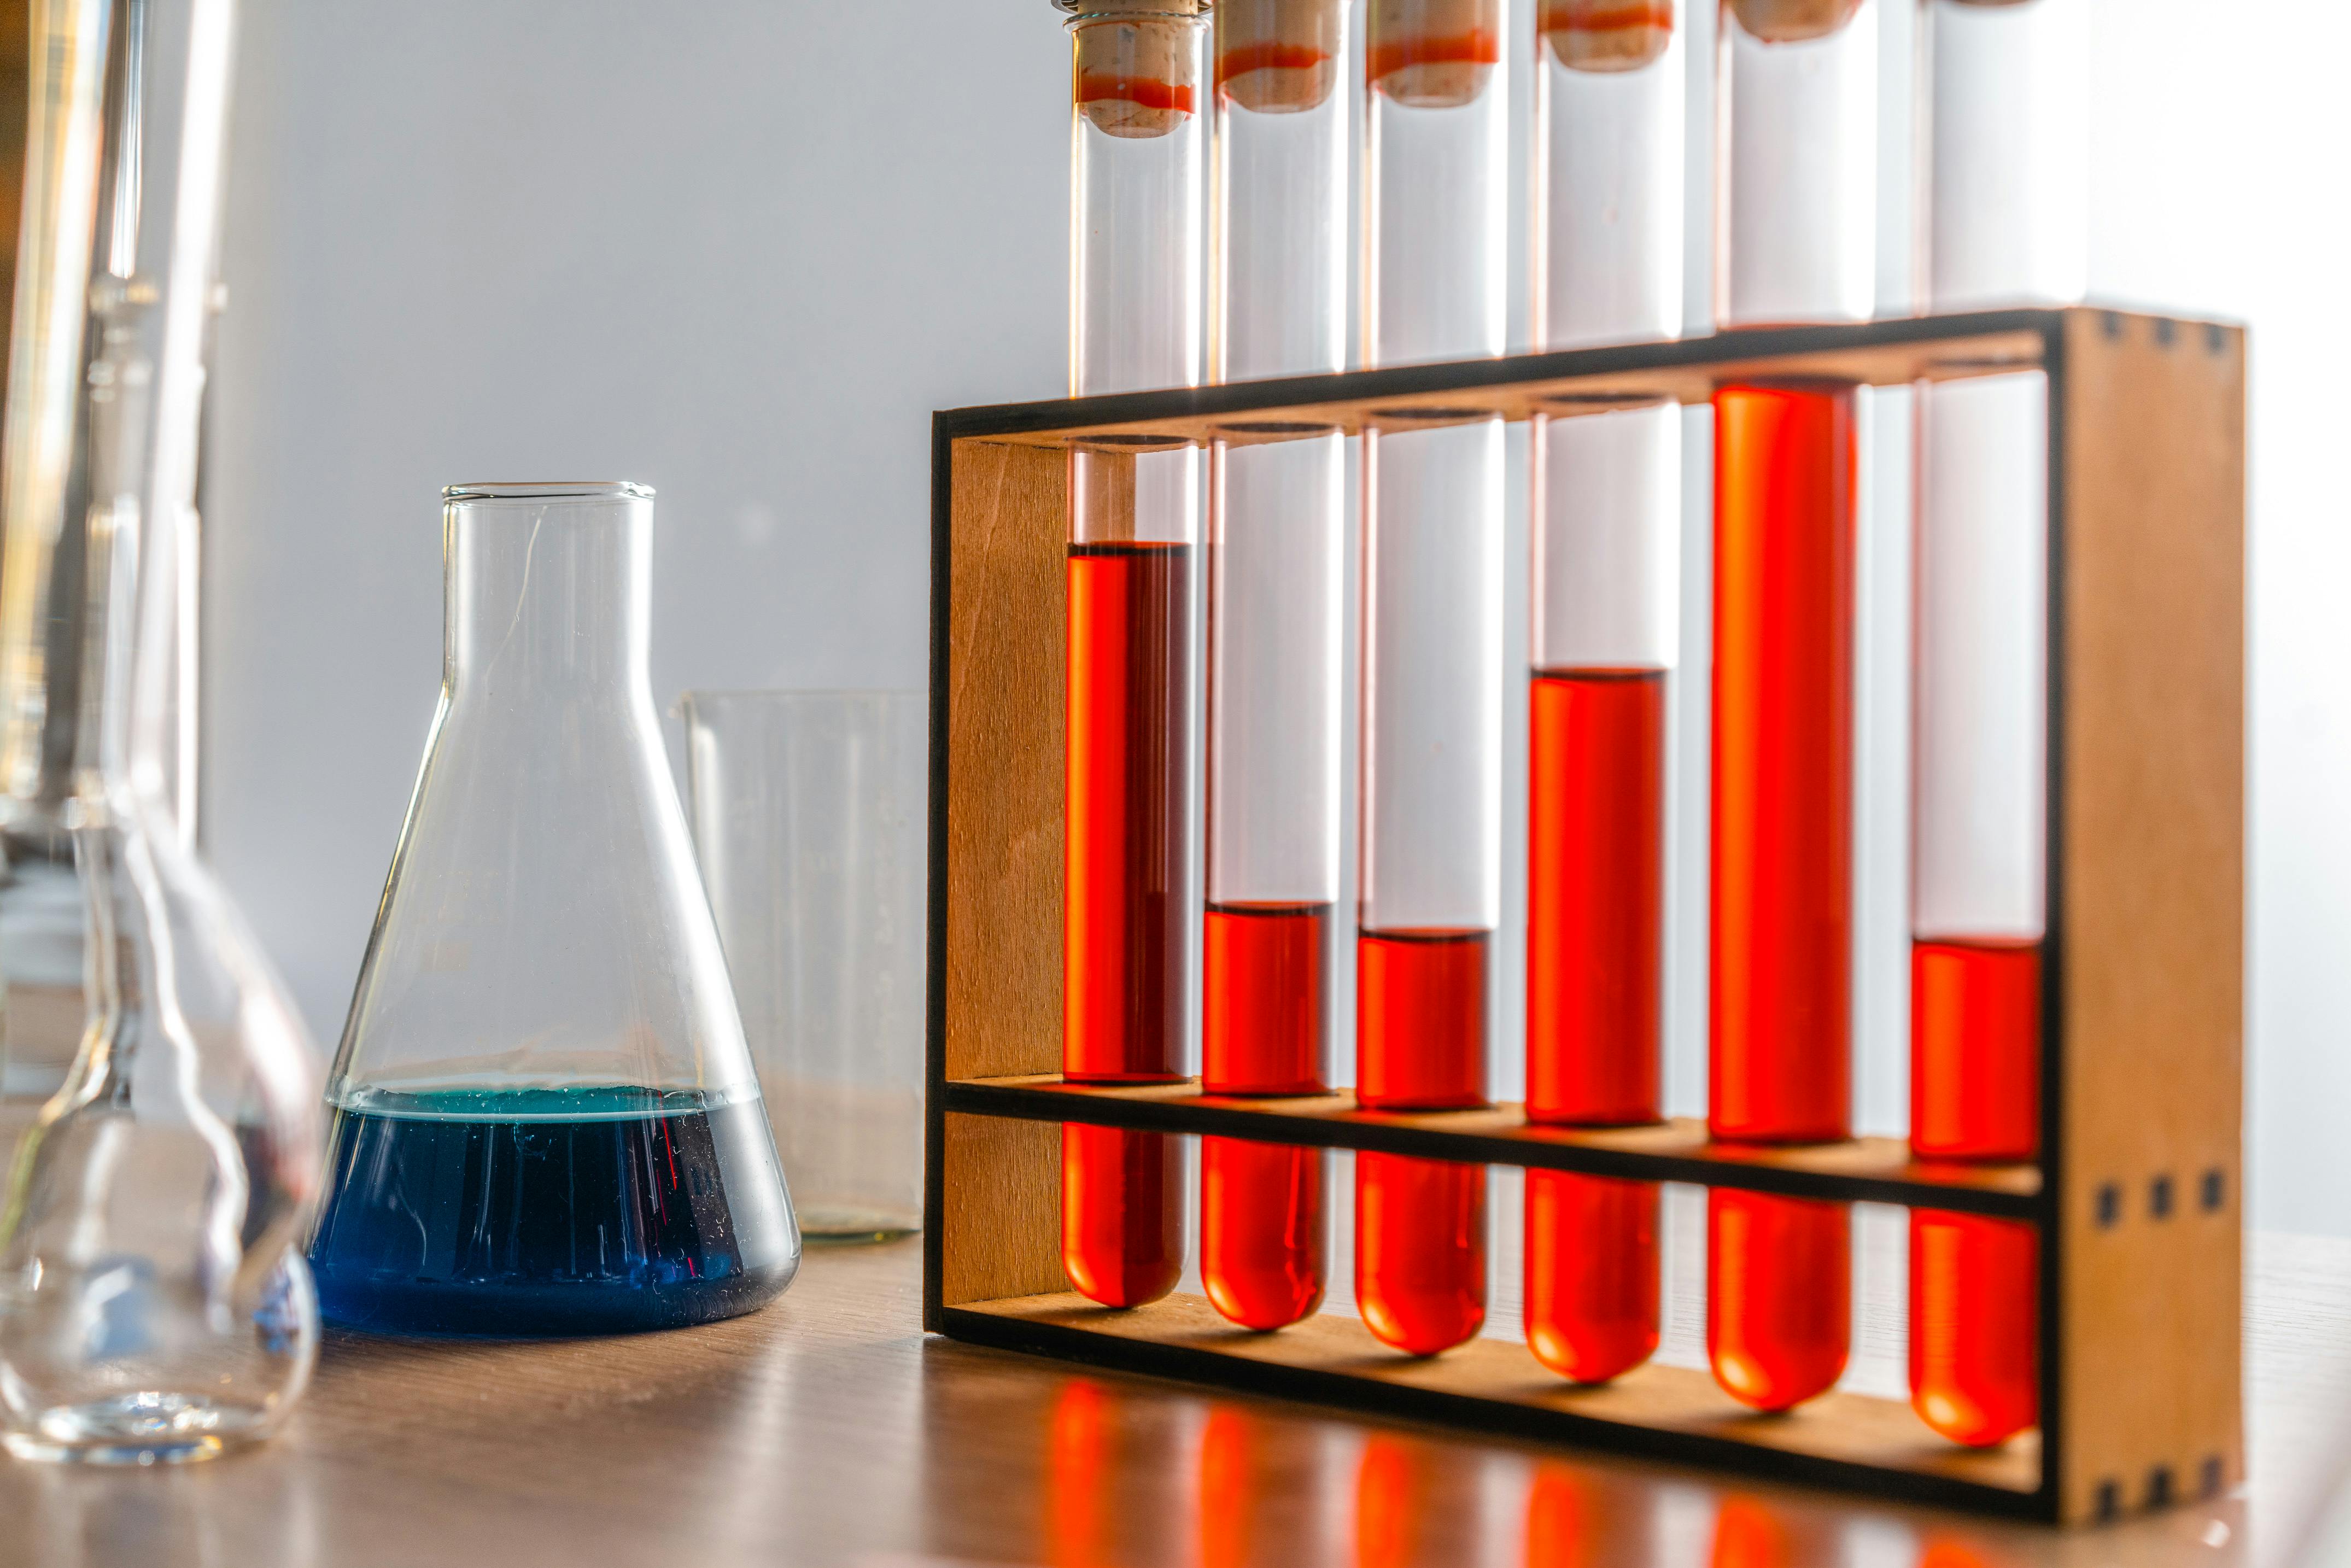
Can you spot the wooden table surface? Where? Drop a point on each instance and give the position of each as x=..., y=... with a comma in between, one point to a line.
x=829, y=1430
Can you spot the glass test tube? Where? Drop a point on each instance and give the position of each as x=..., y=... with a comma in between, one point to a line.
x=1275, y=619
x=2008, y=140
x=1604, y=629
x=1136, y=164
x=1435, y=208
x=1799, y=97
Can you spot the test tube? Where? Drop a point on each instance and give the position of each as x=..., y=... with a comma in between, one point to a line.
x=1275, y=619
x=1435, y=208
x=2007, y=168
x=1607, y=267
x=1796, y=243
x=1137, y=202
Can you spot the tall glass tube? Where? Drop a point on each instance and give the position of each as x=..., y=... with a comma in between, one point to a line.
x=2007, y=166
x=1276, y=574
x=1136, y=204
x=158, y=1311
x=79, y=225
x=1435, y=208
x=1604, y=630
x=1796, y=235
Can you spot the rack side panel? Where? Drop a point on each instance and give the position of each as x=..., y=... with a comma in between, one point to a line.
x=1005, y=777
x=1000, y=1182
x=2150, y=672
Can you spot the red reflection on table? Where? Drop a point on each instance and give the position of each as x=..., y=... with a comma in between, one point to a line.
x=1392, y=1487
x=1577, y=1518
x=1779, y=1306
x=1591, y=1274
x=1080, y=1522
x=1975, y=1292
x=1230, y=1442
x=1749, y=1534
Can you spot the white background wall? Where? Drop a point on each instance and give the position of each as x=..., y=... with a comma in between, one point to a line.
x=740, y=249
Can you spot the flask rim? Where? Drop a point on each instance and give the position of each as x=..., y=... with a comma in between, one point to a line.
x=548, y=490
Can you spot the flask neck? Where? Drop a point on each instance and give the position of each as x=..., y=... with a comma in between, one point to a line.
x=548, y=594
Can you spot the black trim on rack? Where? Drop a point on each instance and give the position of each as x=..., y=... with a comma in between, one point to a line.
x=1414, y=1135
x=1738, y=346
x=1490, y=1417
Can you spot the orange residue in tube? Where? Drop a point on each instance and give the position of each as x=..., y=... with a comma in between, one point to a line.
x=1588, y=16
x=1606, y=36
x=1476, y=48
x=1108, y=86
x=1266, y=55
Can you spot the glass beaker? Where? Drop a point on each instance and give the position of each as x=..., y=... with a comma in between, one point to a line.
x=153, y=1306
x=545, y=1118
x=808, y=817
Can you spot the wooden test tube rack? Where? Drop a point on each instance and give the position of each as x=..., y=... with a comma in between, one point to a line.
x=2137, y=1197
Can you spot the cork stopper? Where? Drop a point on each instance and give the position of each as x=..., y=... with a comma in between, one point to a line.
x=1793, y=21
x=1433, y=54
x=1134, y=76
x=1278, y=57
x=1606, y=35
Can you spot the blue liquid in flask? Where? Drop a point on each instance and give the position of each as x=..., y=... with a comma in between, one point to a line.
x=549, y=1211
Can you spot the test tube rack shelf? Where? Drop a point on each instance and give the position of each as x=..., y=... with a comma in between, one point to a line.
x=2136, y=1193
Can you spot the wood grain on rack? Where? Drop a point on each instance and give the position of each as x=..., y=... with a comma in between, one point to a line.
x=2149, y=917
x=1860, y=1170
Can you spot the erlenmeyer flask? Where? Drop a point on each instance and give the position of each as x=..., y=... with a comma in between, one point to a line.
x=152, y=1307
x=545, y=1117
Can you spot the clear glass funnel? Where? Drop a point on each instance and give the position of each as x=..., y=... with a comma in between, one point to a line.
x=546, y=1119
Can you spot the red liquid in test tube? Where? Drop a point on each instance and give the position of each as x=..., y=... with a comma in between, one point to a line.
x=1975, y=1044
x=2007, y=175
x=1780, y=1034
x=1420, y=1225
x=1129, y=618
x=1137, y=175
x=1781, y=885
x=1264, y=1021
x=1592, y=1273
x=1420, y=1250
x=1435, y=202
x=1420, y=1020
x=1274, y=631
x=1778, y=1310
x=1595, y=896
x=1975, y=1286
x=1262, y=1218
x=1603, y=633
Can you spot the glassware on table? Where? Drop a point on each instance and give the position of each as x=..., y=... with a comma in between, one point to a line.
x=809, y=816
x=83, y=130
x=544, y=1118
x=153, y=1306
